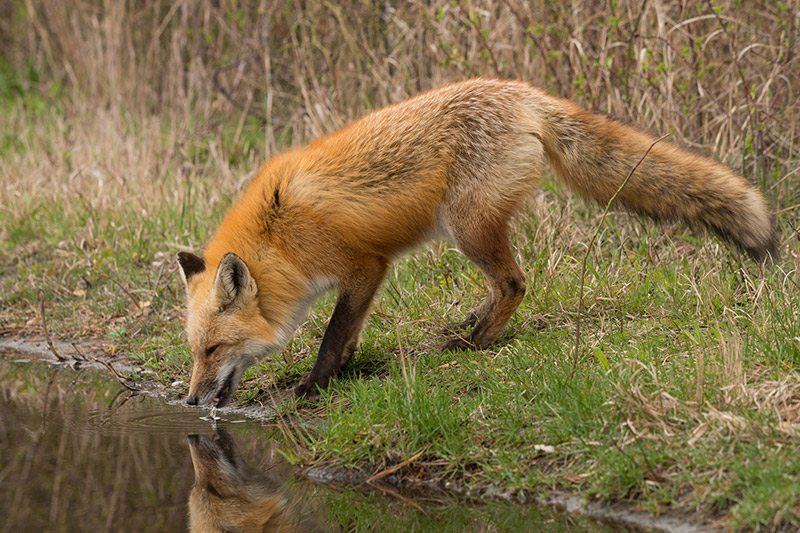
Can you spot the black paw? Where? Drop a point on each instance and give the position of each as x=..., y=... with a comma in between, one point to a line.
x=464, y=325
x=307, y=389
x=458, y=344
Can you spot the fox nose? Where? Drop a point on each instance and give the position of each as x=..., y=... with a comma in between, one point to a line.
x=191, y=400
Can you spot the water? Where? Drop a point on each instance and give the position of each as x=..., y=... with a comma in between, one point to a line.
x=79, y=453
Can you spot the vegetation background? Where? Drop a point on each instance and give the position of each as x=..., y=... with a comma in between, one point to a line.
x=127, y=128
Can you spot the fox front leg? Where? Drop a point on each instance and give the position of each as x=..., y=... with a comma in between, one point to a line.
x=341, y=336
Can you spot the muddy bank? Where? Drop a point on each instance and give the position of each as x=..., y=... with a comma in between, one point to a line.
x=619, y=514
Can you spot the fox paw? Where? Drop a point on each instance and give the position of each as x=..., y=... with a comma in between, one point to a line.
x=458, y=343
x=307, y=389
x=464, y=325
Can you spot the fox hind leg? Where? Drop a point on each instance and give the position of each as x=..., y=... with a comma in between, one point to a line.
x=463, y=325
x=488, y=187
x=489, y=248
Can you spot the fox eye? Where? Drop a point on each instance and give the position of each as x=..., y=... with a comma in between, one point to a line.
x=211, y=349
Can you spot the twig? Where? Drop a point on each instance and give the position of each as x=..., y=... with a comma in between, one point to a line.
x=752, y=112
x=114, y=372
x=399, y=496
x=525, y=22
x=589, y=249
x=395, y=468
x=158, y=279
x=136, y=305
x=78, y=351
x=472, y=19
x=228, y=94
x=44, y=327
x=629, y=55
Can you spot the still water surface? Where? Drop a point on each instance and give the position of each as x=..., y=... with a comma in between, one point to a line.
x=79, y=453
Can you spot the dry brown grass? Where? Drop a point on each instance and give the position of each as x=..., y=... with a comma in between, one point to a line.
x=147, y=78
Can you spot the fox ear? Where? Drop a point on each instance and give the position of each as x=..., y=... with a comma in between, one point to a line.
x=233, y=282
x=191, y=265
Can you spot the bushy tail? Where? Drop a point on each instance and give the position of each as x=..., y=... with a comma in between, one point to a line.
x=593, y=155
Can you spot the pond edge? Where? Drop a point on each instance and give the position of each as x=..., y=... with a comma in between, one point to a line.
x=621, y=513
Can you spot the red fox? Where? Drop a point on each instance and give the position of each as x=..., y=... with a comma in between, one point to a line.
x=230, y=495
x=458, y=162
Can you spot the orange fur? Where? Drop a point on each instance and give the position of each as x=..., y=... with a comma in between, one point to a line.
x=230, y=495
x=457, y=162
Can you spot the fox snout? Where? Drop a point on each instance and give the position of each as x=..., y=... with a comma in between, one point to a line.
x=217, y=391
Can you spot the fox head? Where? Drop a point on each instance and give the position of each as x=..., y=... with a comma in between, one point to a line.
x=225, y=326
x=230, y=495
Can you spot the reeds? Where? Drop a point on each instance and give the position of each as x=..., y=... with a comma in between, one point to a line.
x=721, y=77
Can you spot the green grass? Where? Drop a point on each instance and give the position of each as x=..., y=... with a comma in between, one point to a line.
x=696, y=409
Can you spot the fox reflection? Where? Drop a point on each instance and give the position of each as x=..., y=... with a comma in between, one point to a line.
x=230, y=496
